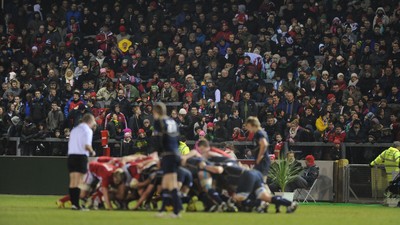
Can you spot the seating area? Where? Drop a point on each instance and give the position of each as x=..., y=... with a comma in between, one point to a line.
x=325, y=72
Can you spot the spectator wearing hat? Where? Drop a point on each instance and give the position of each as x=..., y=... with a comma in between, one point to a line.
x=100, y=57
x=142, y=143
x=307, y=177
x=73, y=103
x=212, y=92
x=356, y=133
x=331, y=101
x=127, y=143
x=122, y=35
x=148, y=127
x=16, y=126
x=183, y=121
x=76, y=114
x=154, y=93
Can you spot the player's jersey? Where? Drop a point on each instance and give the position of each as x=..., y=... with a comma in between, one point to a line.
x=257, y=137
x=107, y=159
x=230, y=178
x=192, y=164
x=133, y=170
x=167, y=129
x=103, y=172
x=220, y=152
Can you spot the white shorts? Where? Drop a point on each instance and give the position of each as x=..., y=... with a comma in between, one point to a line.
x=88, y=181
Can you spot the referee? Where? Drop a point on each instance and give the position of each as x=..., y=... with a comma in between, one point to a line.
x=79, y=148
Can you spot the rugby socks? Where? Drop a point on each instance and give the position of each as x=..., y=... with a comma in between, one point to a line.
x=176, y=201
x=278, y=200
x=185, y=199
x=251, y=202
x=74, y=195
x=165, y=197
x=64, y=199
x=214, y=195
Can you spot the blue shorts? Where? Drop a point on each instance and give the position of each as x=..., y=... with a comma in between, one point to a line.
x=250, y=182
x=170, y=163
x=185, y=177
x=263, y=166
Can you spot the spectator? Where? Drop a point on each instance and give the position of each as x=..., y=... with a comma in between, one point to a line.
x=247, y=107
x=169, y=93
x=106, y=94
x=55, y=118
x=337, y=135
x=307, y=177
x=294, y=132
x=142, y=143
x=127, y=143
x=122, y=102
x=344, y=68
x=135, y=121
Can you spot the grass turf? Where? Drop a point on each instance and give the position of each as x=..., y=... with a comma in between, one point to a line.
x=41, y=210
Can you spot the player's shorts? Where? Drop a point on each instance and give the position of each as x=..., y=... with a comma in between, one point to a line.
x=263, y=166
x=170, y=163
x=185, y=177
x=77, y=163
x=251, y=181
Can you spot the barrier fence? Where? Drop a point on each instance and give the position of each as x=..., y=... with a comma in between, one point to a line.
x=356, y=153
x=364, y=184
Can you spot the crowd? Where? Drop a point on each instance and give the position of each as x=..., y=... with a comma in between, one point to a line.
x=310, y=70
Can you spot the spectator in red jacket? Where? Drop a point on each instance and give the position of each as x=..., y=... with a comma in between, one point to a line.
x=338, y=135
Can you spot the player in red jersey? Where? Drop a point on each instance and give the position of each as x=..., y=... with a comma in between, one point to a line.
x=107, y=175
x=103, y=172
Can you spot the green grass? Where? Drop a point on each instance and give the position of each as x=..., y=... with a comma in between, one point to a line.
x=41, y=210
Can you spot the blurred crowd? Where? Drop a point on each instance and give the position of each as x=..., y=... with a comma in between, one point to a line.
x=311, y=70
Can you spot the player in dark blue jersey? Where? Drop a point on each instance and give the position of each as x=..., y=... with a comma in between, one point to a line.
x=165, y=143
x=249, y=188
x=263, y=162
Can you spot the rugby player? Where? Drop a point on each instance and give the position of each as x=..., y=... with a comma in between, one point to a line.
x=262, y=162
x=165, y=144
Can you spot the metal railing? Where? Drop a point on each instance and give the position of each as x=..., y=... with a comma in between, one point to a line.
x=239, y=145
x=111, y=142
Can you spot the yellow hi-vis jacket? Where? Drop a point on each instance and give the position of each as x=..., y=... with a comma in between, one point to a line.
x=183, y=148
x=390, y=158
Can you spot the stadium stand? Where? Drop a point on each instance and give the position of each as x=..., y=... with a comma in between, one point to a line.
x=312, y=71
